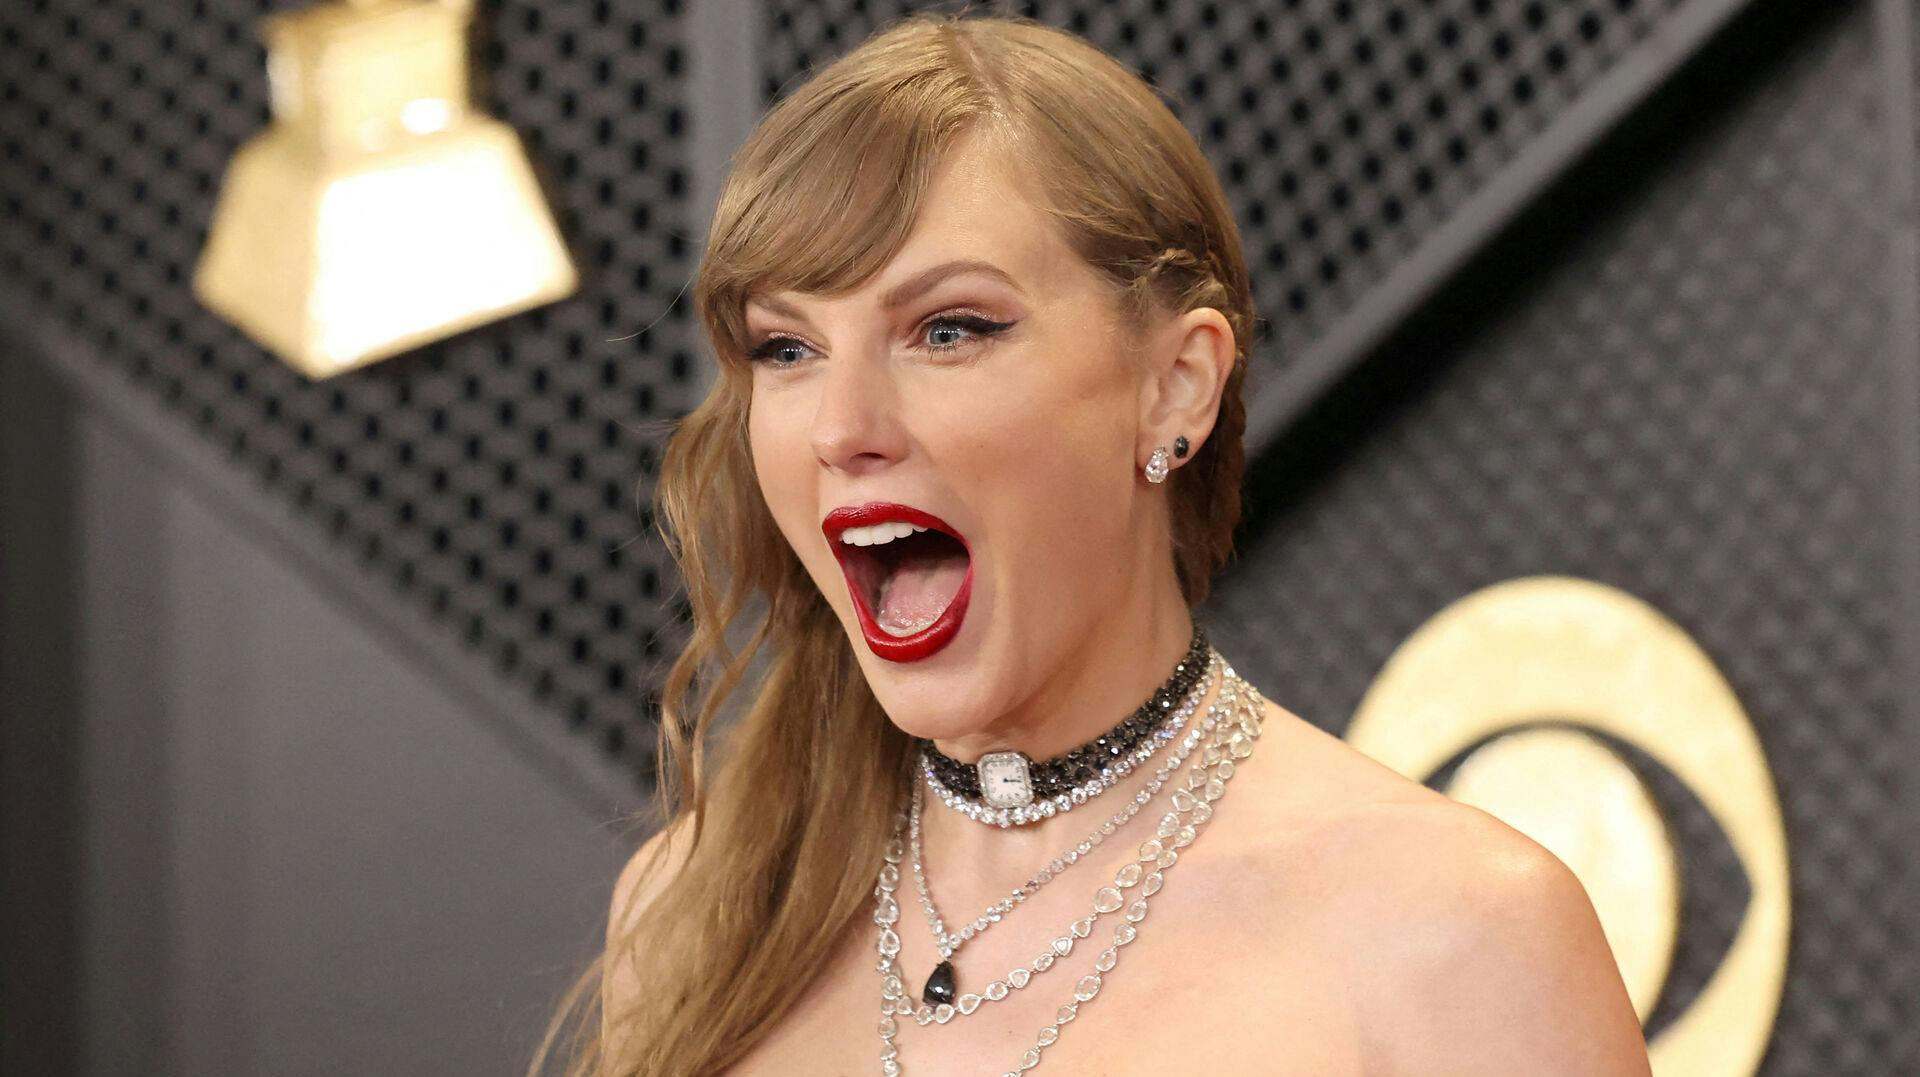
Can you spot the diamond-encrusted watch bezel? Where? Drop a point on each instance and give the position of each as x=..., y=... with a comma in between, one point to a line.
x=1013, y=762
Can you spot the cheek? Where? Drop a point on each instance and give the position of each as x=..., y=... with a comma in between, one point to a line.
x=1067, y=397
x=780, y=466
x=759, y=439
x=776, y=437
x=1063, y=445
x=1054, y=460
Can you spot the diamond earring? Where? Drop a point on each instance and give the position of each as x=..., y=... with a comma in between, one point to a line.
x=1157, y=465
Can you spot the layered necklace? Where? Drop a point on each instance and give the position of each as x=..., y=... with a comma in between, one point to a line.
x=941, y=986
x=1223, y=737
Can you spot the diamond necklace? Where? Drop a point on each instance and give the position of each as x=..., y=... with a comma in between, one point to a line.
x=1009, y=789
x=1163, y=851
x=941, y=985
x=1206, y=783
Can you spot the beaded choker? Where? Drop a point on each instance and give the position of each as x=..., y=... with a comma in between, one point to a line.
x=1008, y=788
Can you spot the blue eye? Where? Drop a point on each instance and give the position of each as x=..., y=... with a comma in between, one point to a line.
x=772, y=346
x=971, y=323
x=767, y=350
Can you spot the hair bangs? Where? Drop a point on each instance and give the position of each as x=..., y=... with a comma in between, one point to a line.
x=829, y=190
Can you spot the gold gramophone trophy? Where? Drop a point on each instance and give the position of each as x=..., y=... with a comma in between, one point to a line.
x=380, y=211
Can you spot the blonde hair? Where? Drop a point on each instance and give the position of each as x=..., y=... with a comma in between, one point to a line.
x=782, y=839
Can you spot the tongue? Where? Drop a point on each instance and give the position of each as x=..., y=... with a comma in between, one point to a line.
x=918, y=589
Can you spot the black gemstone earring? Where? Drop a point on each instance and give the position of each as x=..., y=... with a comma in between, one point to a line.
x=1180, y=447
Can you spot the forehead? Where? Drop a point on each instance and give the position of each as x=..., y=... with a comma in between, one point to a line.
x=976, y=213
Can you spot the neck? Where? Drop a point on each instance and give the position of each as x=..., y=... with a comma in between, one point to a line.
x=1106, y=685
x=1097, y=685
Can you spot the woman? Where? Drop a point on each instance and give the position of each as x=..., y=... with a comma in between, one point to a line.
x=972, y=457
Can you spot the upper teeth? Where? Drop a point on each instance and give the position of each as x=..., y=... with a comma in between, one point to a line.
x=878, y=534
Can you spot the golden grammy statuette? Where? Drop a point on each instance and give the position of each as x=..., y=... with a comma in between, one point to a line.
x=379, y=211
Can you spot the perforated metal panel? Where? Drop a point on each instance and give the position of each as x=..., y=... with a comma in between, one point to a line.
x=1683, y=391
x=1680, y=407
x=498, y=478
x=1343, y=131
x=1680, y=382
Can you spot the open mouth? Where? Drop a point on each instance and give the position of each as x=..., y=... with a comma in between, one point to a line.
x=909, y=575
x=909, y=581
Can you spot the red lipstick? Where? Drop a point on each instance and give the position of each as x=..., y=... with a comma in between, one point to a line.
x=932, y=638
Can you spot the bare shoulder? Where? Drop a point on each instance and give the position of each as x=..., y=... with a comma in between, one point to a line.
x=1469, y=947
x=1337, y=836
x=1497, y=962
x=647, y=873
x=1484, y=954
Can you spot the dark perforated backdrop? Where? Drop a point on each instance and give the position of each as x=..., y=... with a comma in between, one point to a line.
x=496, y=479
x=1674, y=376
x=1343, y=132
x=1676, y=382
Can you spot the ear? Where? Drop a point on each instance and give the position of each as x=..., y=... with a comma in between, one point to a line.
x=1187, y=372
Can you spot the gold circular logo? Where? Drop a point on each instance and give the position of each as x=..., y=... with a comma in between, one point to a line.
x=1585, y=656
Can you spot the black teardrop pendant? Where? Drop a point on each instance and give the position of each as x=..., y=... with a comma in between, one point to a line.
x=940, y=987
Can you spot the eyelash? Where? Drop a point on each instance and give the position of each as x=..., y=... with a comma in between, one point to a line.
x=973, y=323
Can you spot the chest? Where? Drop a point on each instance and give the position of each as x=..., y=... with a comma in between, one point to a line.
x=1180, y=1001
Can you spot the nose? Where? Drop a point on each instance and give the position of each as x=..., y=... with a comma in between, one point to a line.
x=856, y=424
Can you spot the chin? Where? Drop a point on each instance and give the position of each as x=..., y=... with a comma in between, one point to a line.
x=940, y=697
x=931, y=715
x=925, y=700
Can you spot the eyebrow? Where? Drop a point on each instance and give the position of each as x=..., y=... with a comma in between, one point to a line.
x=912, y=288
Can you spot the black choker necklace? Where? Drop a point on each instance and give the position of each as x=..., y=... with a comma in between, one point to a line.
x=1009, y=780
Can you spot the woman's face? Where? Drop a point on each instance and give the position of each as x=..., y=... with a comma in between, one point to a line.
x=976, y=384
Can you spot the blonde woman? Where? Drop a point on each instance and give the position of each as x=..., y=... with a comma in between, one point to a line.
x=990, y=799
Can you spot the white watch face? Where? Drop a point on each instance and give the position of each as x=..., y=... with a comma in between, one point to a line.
x=1004, y=780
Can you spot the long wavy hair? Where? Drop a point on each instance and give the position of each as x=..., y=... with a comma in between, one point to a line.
x=786, y=802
